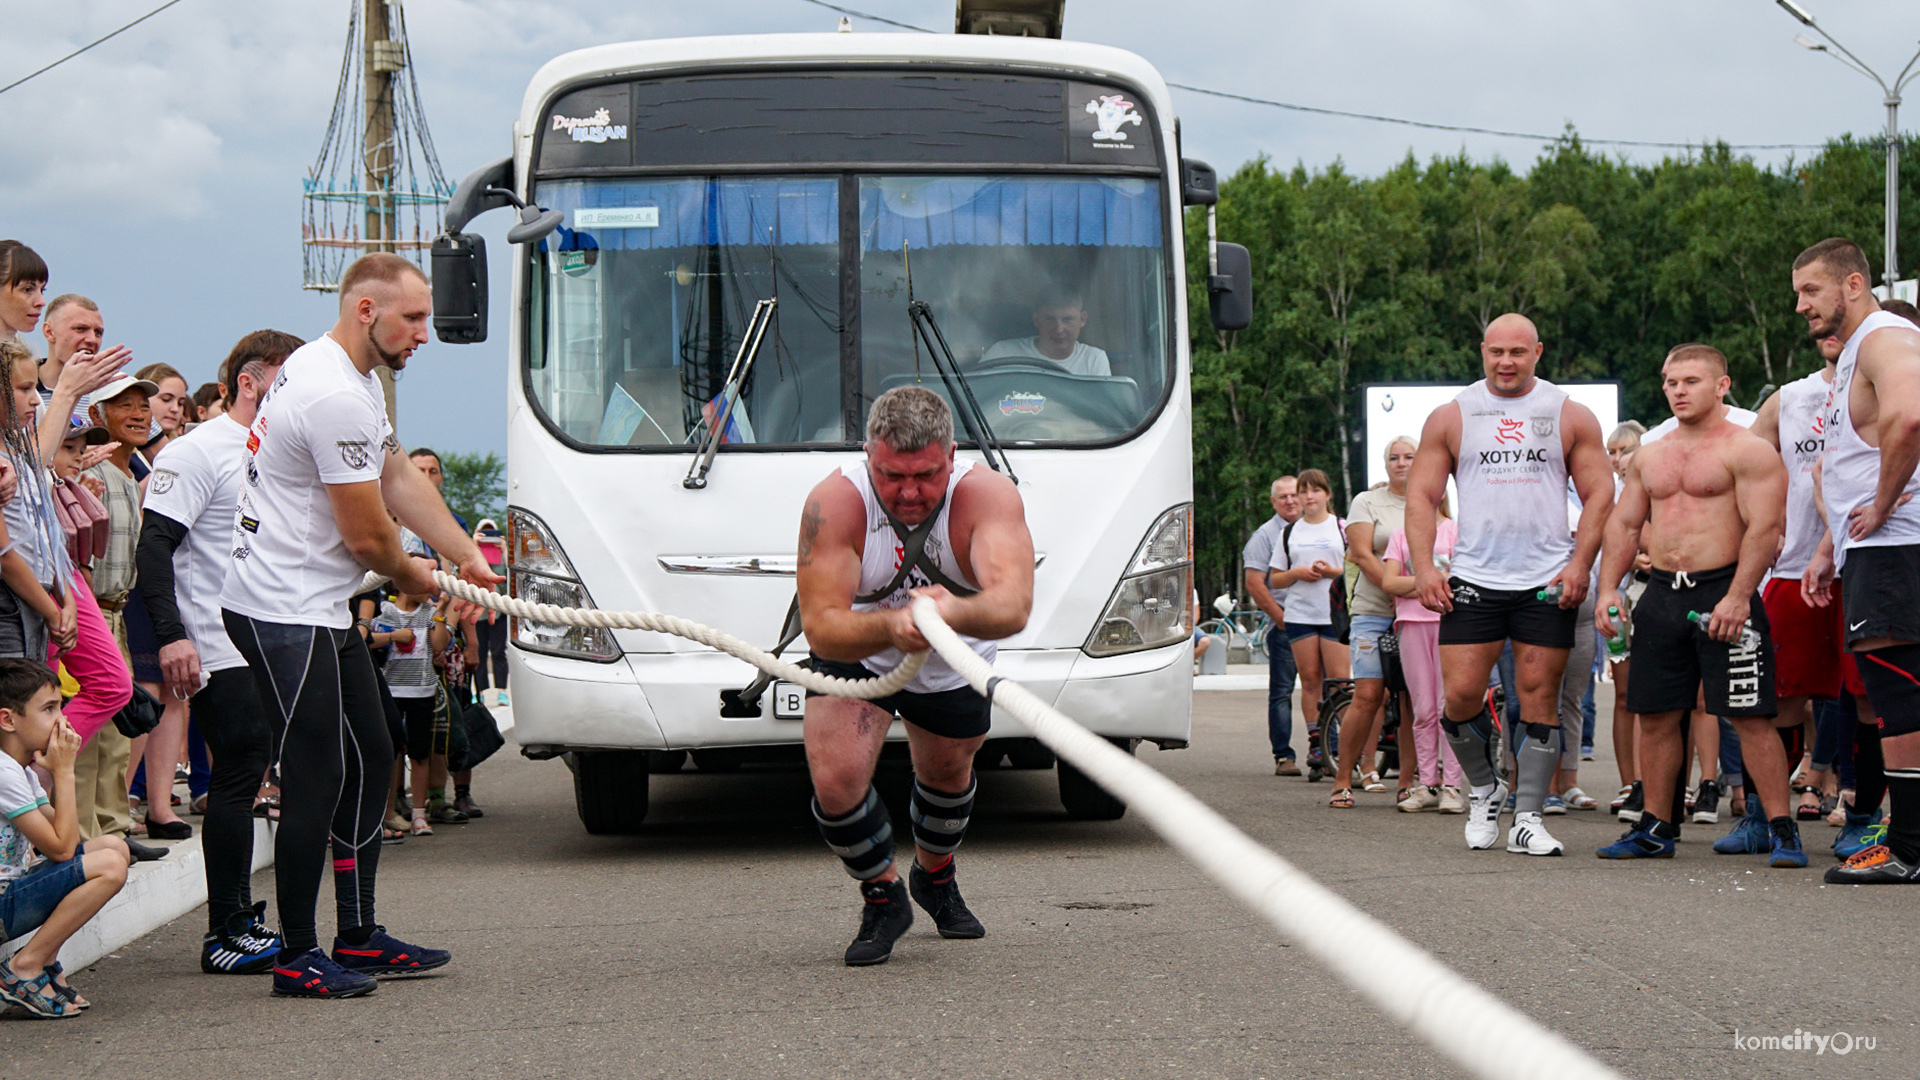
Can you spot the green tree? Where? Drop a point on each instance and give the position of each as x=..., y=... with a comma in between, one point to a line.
x=475, y=486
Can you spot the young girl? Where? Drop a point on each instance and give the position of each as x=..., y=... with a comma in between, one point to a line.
x=34, y=609
x=1308, y=565
x=1621, y=446
x=1419, y=631
x=415, y=634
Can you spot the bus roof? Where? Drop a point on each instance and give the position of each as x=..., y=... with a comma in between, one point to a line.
x=667, y=55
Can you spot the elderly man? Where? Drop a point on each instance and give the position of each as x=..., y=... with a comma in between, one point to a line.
x=1058, y=321
x=1284, y=496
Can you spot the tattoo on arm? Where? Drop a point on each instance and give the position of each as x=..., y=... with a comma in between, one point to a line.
x=391, y=444
x=810, y=519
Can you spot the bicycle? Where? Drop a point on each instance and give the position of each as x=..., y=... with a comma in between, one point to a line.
x=1323, y=738
x=1247, y=627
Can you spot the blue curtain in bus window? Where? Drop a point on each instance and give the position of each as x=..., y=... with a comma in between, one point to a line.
x=958, y=210
x=644, y=215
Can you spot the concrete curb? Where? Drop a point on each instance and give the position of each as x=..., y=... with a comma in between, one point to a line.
x=159, y=892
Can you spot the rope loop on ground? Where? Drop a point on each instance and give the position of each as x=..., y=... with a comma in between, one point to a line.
x=1479, y=1032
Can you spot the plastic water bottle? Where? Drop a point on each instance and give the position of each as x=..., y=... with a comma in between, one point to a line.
x=1617, y=644
x=1749, y=637
x=1551, y=594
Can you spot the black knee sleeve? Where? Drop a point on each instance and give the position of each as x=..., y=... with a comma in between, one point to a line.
x=1892, y=676
x=1541, y=733
x=939, y=817
x=863, y=838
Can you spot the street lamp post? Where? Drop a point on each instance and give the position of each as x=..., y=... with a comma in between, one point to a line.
x=1892, y=93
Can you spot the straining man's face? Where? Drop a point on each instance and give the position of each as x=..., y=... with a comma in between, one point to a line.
x=910, y=483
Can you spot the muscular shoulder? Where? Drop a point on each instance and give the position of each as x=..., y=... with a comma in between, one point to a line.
x=1890, y=347
x=1751, y=456
x=985, y=495
x=835, y=504
x=1579, y=423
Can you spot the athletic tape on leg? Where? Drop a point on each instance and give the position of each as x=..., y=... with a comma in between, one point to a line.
x=940, y=817
x=1472, y=742
x=863, y=839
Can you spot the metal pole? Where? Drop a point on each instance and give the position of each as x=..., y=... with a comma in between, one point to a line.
x=1893, y=190
x=377, y=143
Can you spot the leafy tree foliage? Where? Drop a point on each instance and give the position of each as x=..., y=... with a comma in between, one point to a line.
x=475, y=486
x=1393, y=278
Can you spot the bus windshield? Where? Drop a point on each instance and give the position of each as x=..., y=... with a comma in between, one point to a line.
x=1051, y=291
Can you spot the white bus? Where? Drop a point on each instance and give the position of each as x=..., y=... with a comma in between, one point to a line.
x=731, y=229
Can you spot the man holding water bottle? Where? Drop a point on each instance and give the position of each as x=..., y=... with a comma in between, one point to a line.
x=1708, y=502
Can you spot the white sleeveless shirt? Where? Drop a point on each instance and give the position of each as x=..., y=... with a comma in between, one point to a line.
x=1803, y=438
x=1512, y=481
x=880, y=555
x=1852, y=471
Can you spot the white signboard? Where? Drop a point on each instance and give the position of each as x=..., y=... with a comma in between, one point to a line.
x=1400, y=409
x=617, y=217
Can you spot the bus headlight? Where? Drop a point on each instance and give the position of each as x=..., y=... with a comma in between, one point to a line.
x=539, y=573
x=1151, y=607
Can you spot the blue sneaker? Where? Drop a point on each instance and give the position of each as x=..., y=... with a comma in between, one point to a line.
x=1555, y=804
x=1750, y=835
x=313, y=974
x=384, y=955
x=1787, y=852
x=1638, y=843
x=1861, y=832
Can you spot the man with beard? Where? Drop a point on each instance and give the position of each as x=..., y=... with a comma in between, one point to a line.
x=323, y=467
x=1872, y=422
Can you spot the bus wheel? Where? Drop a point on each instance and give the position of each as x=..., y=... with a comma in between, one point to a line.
x=610, y=790
x=665, y=761
x=1029, y=754
x=1086, y=800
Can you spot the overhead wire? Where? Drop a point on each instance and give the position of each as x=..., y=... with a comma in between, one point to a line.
x=88, y=45
x=1347, y=114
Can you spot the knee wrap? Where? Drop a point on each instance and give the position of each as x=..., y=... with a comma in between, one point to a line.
x=1541, y=733
x=863, y=838
x=1892, y=676
x=940, y=818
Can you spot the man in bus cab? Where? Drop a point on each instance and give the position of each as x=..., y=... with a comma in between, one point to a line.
x=1058, y=319
x=909, y=521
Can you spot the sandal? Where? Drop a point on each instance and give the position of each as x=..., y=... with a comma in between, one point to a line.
x=32, y=995
x=1837, y=817
x=1371, y=783
x=64, y=993
x=267, y=806
x=1808, y=811
x=390, y=835
x=1341, y=799
x=199, y=805
x=421, y=828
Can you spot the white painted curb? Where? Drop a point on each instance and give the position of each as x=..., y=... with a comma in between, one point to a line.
x=161, y=891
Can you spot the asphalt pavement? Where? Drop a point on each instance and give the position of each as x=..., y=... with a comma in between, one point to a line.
x=709, y=946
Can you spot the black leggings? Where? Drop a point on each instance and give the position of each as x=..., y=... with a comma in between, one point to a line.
x=240, y=738
x=335, y=760
x=493, y=650
x=426, y=726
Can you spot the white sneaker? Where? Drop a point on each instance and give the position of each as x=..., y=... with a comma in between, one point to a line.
x=1483, y=817
x=1452, y=800
x=1419, y=797
x=1528, y=836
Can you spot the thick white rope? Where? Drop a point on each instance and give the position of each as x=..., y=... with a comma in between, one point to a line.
x=864, y=689
x=1478, y=1031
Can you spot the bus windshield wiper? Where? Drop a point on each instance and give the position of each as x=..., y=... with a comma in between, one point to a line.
x=729, y=397
x=959, y=388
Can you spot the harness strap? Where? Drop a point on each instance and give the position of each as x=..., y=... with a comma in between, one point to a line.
x=913, y=543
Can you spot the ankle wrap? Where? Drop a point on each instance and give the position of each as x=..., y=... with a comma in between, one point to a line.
x=939, y=817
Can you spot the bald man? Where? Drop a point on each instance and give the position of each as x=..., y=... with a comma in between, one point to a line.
x=323, y=468
x=1510, y=442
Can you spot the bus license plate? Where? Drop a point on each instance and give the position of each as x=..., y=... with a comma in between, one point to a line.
x=789, y=701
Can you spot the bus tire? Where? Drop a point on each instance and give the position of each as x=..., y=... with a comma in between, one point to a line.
x=1086, y=800
x=610, y=790
x=1029, y=754
x=665, y=761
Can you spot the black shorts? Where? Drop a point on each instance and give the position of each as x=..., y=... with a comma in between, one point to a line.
x=1481, y=615
x=1880, y=593
x=960, y=713
x=1673, y=659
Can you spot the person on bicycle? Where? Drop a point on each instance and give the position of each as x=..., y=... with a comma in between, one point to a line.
x=1308, y=564
x=1371, y=521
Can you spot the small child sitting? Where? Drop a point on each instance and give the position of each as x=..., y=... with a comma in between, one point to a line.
x=56, y=894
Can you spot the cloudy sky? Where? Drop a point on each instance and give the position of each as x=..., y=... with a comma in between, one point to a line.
x=160, y=173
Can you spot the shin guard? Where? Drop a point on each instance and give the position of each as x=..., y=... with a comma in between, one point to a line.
x=939, y=817
x=863, y=838
x=1472, y=742
x=1536, y=761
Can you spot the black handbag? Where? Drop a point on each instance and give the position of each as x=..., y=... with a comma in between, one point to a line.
x=141, y=715
x=483, y=738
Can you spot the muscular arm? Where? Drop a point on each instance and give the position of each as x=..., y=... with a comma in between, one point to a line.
x=373, y=540
x=1593, y=480
x=1426, y=486
x=1622, y=535
x=1891, y=362
x=418, y=503
x=1766, y=423
x=827, y=575
x=988, y=510
x=1760, y=493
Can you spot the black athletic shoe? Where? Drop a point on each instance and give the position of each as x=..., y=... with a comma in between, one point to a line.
x=940, y=896
x=313, y=974
x=1635, y=804
x=1706, y=803
x=887, y=915
x=1877, y=865
x=384, y=956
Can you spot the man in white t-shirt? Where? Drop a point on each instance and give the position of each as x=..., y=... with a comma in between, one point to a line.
x=185, y=548
x=1059, y=321
x=74, y=328
x=323, y=468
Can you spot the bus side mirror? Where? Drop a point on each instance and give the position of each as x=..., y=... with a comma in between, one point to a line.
x=1198, y=185
x=1230, y=290
x=460, y=288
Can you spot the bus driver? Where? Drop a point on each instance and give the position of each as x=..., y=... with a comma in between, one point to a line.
x=909, y=521
x=1058, y=320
